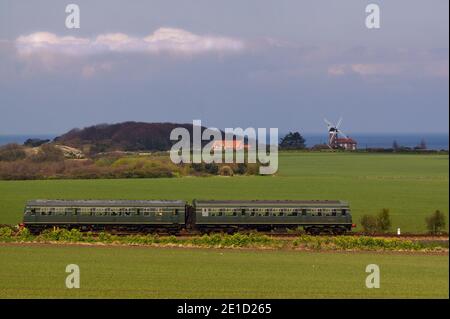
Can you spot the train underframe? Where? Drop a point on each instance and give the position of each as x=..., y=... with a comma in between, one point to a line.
x=178, y=229
x=318, y=229
x=171, y=229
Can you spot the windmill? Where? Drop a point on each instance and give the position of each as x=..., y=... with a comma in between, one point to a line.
x=333, y=133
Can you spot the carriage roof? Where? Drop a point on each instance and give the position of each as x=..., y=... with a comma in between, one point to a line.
x=109, y=203
x=266, y=203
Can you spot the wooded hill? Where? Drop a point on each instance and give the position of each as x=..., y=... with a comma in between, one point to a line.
x=126, y=136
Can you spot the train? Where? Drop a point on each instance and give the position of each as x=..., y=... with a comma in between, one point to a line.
x=200, y=216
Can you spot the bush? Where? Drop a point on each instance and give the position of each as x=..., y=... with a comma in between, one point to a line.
x=369, y=224
x=226, y=171
x=435, y=222
x=212, y=168
x=48, y=153
x=240, y=169
x=383, y=220
x=379, y=223
x=5, y=233
x=11, y=152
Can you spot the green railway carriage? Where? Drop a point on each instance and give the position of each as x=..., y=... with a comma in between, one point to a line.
x=315, y=216
x=125, y=215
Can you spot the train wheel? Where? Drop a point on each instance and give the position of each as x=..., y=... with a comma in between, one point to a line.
x=313, y=231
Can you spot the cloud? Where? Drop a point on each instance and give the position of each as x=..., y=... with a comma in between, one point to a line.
x=375, y=69
x=163, y=40
x=336, y=70
x=364, y=69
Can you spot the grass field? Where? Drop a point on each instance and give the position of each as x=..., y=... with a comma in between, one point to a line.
x=138, y=272
x=411, y=186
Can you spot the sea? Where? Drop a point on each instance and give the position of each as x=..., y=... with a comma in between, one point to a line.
x=433, y=141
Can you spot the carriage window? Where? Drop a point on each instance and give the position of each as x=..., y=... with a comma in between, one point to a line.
x=231, y=213
x=175, y=212
x=243, y=212
x=85, y=211
x=100, y=212
x=33, y=212
x=303, y=212
x=344, y=212
x=252, y=214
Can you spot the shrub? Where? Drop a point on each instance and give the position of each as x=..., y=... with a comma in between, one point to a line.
x=383, y=220
x=226, y=171
x=11, y=152
x=435, y=222
x=212, y=168
x=48, y=153
x=198, y=167
x=5, y=233
x=240, y=169
x=369, y=224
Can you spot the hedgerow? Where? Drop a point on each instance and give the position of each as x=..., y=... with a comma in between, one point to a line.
x=358, y=243
x=237, y=240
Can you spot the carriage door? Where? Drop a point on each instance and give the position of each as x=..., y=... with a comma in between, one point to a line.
x=159, y=214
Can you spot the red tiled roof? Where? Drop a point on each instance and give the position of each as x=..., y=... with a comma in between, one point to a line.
x=345, y=141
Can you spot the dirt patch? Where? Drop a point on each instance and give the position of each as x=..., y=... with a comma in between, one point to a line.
x=262, y=248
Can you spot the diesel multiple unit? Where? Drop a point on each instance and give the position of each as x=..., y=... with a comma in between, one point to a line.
x=314, y=216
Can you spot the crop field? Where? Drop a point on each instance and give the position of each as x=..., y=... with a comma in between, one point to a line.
x=411, y=186
x=30, y=271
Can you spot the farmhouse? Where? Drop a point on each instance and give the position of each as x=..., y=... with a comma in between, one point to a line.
x=346, y=143
x=229, y=145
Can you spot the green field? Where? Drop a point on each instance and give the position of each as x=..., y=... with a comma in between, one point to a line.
x=139, y=272
x=411, y=186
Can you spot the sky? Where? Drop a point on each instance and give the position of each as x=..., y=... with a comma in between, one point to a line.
x=256, y=63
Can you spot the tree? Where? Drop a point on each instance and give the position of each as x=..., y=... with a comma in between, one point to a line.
x=369, y=224
x=435, y=222
x=383, y=220
x=35, y=142
x=293, y=141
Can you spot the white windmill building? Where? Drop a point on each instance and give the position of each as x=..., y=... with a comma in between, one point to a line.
x=336, y=142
